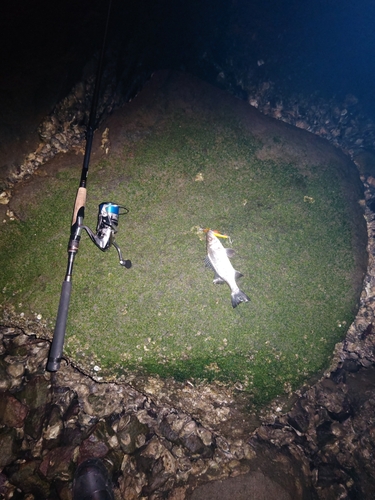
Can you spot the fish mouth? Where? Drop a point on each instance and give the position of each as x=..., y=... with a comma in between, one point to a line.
x=216, y=233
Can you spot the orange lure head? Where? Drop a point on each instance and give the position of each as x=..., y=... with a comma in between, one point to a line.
x=216, y=233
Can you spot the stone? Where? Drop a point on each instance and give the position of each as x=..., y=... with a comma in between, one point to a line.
x=131, y=434
x=12, y=412
x=333, y=399
x=130, y=487
x=16, y=370
x=34, y=422
x=28, y=479
x=168, y=432
x=36, y=393
x=5, y=381
x=163, y=470
x=57, y=463
x=154, y=449
x=54, y=427
x=3, y=487
x=37, y=356
x=92, y=447
x=193, y=443
x=8, y=446
x=299, y=418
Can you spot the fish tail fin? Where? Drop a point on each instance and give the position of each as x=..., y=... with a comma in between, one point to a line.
x=238, y=297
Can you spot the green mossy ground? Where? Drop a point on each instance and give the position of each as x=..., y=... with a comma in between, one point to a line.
x=165, y=316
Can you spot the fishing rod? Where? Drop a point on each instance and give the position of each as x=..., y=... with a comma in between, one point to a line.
x=106, y=229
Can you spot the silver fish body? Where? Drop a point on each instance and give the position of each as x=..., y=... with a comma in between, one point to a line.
x=218, y=260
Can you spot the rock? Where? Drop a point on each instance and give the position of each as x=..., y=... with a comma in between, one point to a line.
x=162, y=471
x=130, y=487
x=35, y=421
x=36, y=393
x=299, y=417
x=131, y=433
x=3, y=487
x=163, y=464
x=27, y=478
x=102, y=405
x=167, y=430
x=92, y=447
x=333, y=398
x=5, y=378
x=57, y=463
x=195, y=445
x=37, y=355
x=324, y=433
x=9, y=445
x=16, y=370
x=52, y=433
x=12, y=412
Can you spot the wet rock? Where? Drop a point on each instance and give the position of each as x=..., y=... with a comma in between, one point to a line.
x=15, y=369
x=72, y=435
x=102, y=405
x=131, y=485
x=131, y=433
x=36, y=393
x=333, y=398
x=194, y=444
x=3, y=487
x=35, y=421
x=12, y=412
x=163, y=470
x=28, y=480
x=67, y=400
x=36, y=359
x=167, y=430
x=9, y=444
x=158, y=462
x=15, y=341
x=92, y=447
x=54, y=427
x=57, y=463
x=324, y=433
x=299, y=418
x=5, y=378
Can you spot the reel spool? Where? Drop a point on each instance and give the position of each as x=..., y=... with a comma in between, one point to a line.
x=108, y=218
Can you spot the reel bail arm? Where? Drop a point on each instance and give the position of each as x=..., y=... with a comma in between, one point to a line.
x=106, y=229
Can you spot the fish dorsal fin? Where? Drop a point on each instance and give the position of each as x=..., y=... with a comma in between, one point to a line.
x=238, y=274
x=230, y=252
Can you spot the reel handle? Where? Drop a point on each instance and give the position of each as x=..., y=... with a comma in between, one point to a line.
x=57, y=346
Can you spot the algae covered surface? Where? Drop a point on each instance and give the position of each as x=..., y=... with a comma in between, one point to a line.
x=290, y=228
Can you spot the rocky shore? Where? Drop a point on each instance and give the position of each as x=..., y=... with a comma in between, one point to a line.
x=185, y=443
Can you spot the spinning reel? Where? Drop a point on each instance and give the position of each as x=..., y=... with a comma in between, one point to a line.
x=106, y=229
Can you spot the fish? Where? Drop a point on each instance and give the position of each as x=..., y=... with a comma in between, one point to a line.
x=217, y=259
